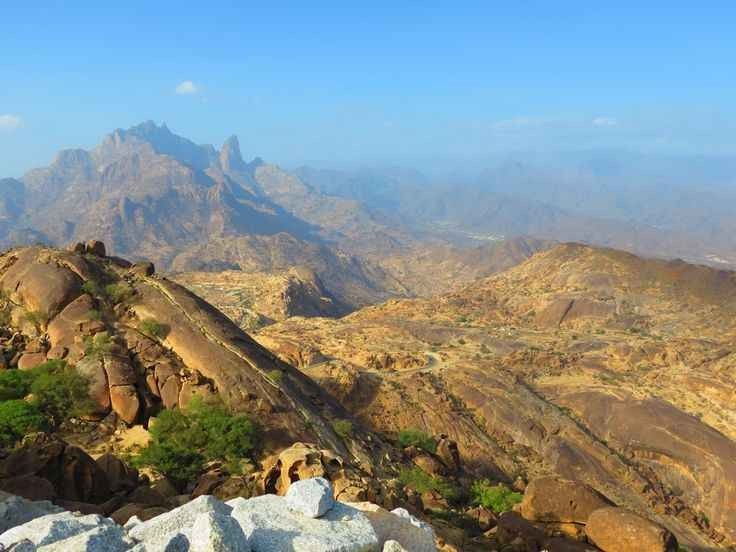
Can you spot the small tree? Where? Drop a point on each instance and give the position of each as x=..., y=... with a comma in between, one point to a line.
x=498, y=498
x=417, y=438
x=182, y=441
x=344, y=428
x=98, y=344
x=18, y=418
x=59, y=391
x=151, y=328
x=422, y=482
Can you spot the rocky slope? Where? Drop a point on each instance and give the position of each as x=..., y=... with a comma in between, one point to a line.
x=589, y=363
x=62, y=301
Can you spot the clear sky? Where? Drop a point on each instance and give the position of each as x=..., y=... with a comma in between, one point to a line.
x=365, y=82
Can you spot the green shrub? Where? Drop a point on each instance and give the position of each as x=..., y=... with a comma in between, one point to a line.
x=95, y=345
x=422, y=482
x=18, y=418
x=94, y=314
x=417, y=438
x=151, y=328
x=344, y=428
x=14, y=384
x=276, y=375
x=37, y=318
x=498, y=498
x=93, y=288
x=182, y=441
x=59, y=391
x=117, y=293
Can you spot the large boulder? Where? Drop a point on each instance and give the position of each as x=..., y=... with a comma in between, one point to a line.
x=271, y=526
x=104, y=538
x=217, y=532
x=618, y=530
x=120, y=476
x=15, y=511
x=311, y=497
x=553, y=499
x=400, y=527
x=29, y=487
x=52, y=528
x=159, y=530
x=37, y=282
x=299, y=461
x=73, y=473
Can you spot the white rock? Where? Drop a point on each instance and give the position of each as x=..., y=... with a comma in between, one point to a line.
x=271, y=526
x=311, y=497
x=213, y=532
x=174, y=542
x=409, y=532
x=165, y=527
x=52, y=528
x=404, y=514
x=15, y=510
x=105, y=538
x=393, y=546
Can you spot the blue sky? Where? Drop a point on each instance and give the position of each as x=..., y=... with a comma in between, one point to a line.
x=372, y=82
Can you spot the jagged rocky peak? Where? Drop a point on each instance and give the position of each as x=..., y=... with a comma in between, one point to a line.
x=230, y=156
x=160, y=140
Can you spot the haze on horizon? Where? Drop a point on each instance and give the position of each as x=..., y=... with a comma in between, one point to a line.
x=418, y=84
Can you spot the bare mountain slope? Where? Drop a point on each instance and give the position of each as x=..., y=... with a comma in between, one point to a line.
x=590, y=363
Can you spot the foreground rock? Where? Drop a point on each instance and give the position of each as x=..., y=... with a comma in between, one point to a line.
x=268, y=523
x=311, y=497
x=618, y=530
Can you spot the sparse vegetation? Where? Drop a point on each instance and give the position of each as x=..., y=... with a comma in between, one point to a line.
x=276, y=375
x=98, y=344
x=18, y=418
x=422, y=482
x=40, y=399
x=152, y=328
x=344, y=428
x=498, y=498
x=417, y=438
x=36, y=318
x=183, y=441
x=118, y=292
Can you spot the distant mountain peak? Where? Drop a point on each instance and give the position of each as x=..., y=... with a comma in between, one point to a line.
x=230, y=156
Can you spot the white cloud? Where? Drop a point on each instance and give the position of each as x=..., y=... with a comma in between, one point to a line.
x=10, y=122
x=187, y=87
x=604, y=122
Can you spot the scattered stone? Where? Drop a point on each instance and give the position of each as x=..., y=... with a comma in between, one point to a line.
x=311, y=497
x=617, y=530
x=393, y=546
